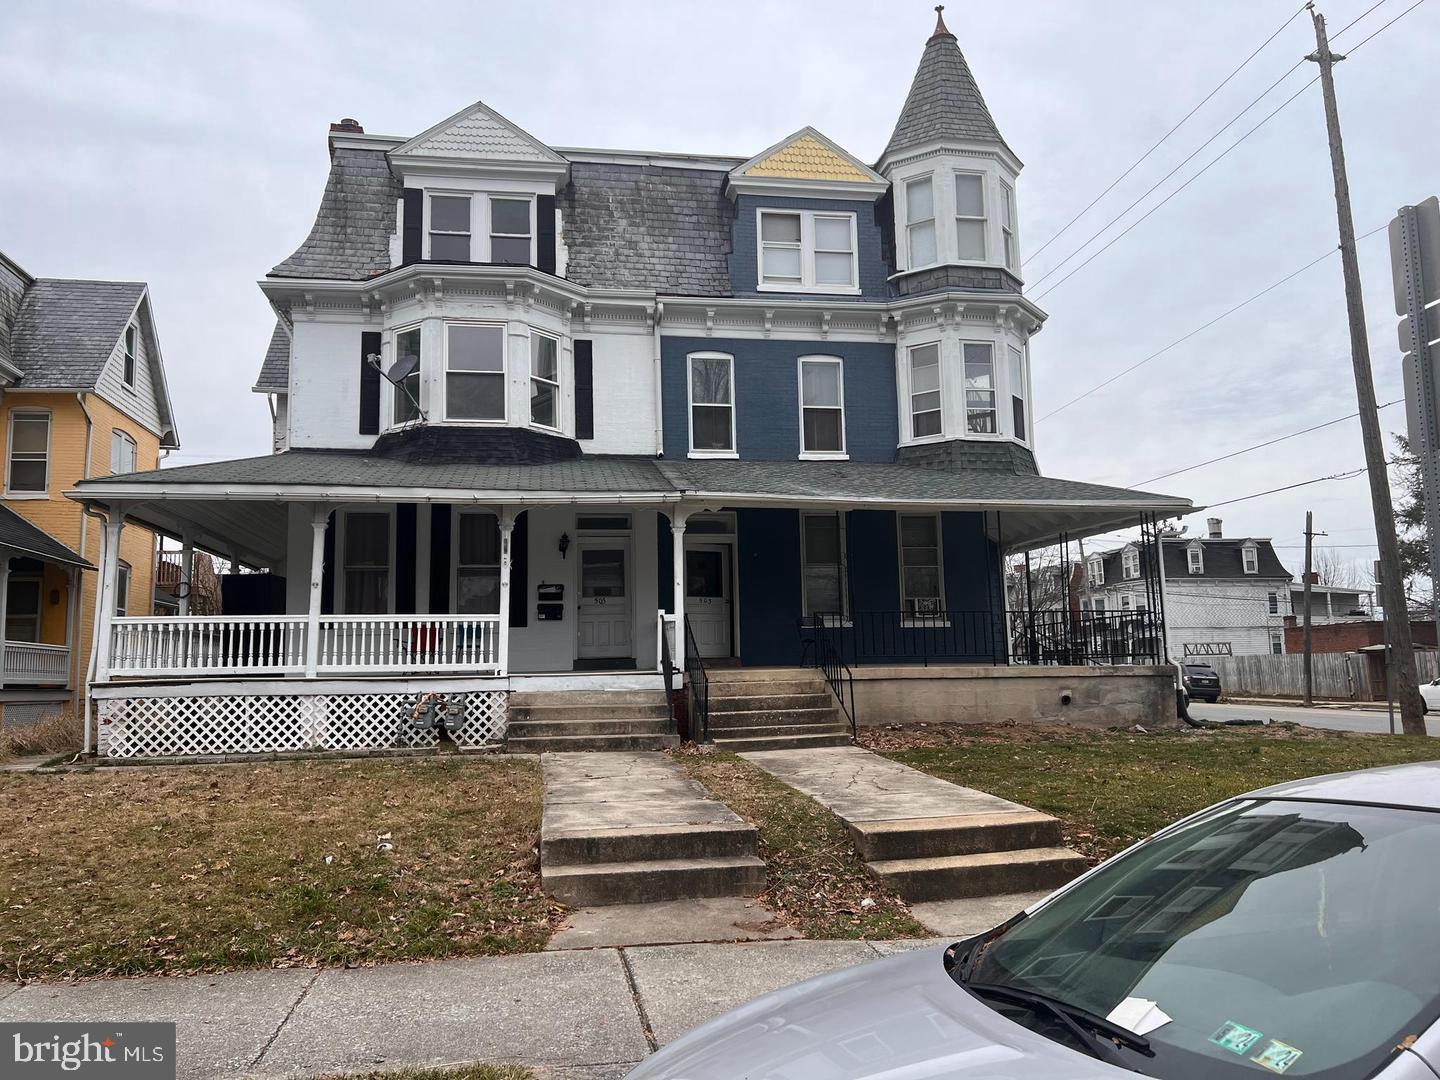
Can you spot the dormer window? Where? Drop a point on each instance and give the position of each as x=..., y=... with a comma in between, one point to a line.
x=480, y=228
x=474, y=371
x=129, y=370
x=510, y=231
x=807, y=251
x=1250, y=559
x=450, y=228
x=1195, y=559
x=1130, y=564
x=920, y=240
x=970, y=216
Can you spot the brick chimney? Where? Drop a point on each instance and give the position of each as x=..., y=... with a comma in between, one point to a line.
x=1213, y=525
x=348, y=126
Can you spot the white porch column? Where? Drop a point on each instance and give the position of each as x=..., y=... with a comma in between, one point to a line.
x=4, y=605
x=319, y=520
x=507, y=534
x=109, y=584
x=187, y=564
x=678, y=517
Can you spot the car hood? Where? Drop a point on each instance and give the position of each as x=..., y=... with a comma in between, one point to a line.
x=901, y=1018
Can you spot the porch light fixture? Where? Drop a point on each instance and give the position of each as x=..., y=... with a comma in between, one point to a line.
x=564, y=543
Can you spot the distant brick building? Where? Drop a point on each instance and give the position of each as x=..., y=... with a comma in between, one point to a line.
x=1349, y=636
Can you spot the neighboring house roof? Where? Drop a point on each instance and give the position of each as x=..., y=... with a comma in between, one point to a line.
x=274, y=377
x=66, y=331
x=1223, y=559
x=350, y=240
x=944, y=100
x=19, y=534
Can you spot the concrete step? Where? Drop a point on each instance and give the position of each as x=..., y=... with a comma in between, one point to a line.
x=587, y=697
x=651, y=843
x=642, y=882
x=757, y=717
x=720, y=688
x=625, y=725
x=991, y=873
x=781, y=742
x=762, y=674
x=970, y=834
x=629, y=710
x=756, y=731
x=563, y=743
x=752, y=702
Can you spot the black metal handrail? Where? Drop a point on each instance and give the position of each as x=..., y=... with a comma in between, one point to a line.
x=667, y=670
x=698, y=681
x=838, y=675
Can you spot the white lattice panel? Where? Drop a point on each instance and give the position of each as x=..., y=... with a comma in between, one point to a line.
x=191, y=726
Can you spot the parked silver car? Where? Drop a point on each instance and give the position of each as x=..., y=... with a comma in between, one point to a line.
x=1294, y=931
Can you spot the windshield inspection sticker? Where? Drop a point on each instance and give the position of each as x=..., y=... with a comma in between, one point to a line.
x=1277, y=1056
x=1237, y=1038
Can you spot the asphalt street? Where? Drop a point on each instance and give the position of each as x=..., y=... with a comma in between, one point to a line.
x=1335, y=718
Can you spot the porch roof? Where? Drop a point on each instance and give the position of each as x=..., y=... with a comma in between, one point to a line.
x=19, y=535
x=1035, y=509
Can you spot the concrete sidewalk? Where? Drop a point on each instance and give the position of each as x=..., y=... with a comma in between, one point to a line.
x=589, y=1013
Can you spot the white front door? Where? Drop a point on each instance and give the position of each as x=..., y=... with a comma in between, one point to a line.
x=603, y=602
x=707, y=597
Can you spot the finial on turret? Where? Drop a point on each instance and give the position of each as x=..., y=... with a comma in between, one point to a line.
x=941, y=30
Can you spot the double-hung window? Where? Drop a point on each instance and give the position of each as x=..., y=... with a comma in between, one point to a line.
x=128, y=373
x=544, y=380
x=1016, y=374
x=477, y=564
x=1130, y=565
x=1277, y=643
x=510, y=231
x=807, y=250
x=970, y=221
x=925, y=416
x=474, y=372
x=1007, y=224
x=920, y=240
x=980, y=388
x=920, y=574
x=1195, y=560
x=406, y=374
x=1095, y=571
x=823, y=579
x=365, y=563
x=1251, y=560
x=1273, y=600
x=29, y=466
x=822, y=405
x=450, y=228
x=712, y=403
x=122, y=453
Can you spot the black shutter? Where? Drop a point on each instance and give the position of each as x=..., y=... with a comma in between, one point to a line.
x=369, y=384
x=545, y=234
x=410, y=228
x=330, y=570
x=440, y=559
x=520, y=571
x=584, y=388
x=405, y=559
x=885, y=221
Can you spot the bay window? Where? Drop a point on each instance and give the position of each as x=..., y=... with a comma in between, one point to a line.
x=925, y=415
x=712, y=403
x=28, y=471
x=920, y=239
x=1016, y=375
x=970, y=217
x=807, y=250
x=406, y=373
x=474, y=372
x=1007, y=225
x=920, y=574
x=510, y=231
x=450, y=228
x=822, y=405
x=477, y=564
x=544, y=380
x=980, y=389
x=823, y=555
x=365, y=562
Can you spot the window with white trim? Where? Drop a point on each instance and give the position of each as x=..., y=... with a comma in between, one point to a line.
x=1099, y=605
x=474, y=371
x=544, y=380
x=807, y=250
x=477, y=564
x=925, y=413
x=407, y=390
x=1095, y=570
x=1277, y=643
x=712, y=403
x=920, y=241
x=450, y=228
x=1250, y=559
x=1016, y=375
x=921, y=577
x=510, y=231
x=980, y=418
x=823, y=574
x=1273, y=599
x=1007, y=225
x=365, y=562
x=822, y=405
x=1130, y=564
x=1195, y=559
x=122, y=588
x=970, y=218
x=28, y=471
x=1125, y=602
x=122, y=453
x=129, y=369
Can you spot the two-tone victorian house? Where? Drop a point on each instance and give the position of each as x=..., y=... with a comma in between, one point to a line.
x=551, y=418
x=82, y=395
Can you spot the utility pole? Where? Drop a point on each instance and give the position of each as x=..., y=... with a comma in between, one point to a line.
x=1397, y=616
x=1310, y=535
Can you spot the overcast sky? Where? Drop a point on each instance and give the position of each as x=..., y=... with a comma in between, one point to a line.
x=183, y=144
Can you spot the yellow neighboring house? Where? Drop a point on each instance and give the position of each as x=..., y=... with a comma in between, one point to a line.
x=82, y=394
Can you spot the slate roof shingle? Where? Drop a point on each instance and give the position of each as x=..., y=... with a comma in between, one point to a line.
x=274, y=377
x=944, y=100
x=1223, y=559
x=17, y=533
x=350, y=240
x=66, y=331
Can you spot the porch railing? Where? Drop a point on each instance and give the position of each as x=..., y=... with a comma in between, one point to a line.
x=697, y=680
x=993, y=636
x=277, y=644
x=29, y=662
x=829, y=657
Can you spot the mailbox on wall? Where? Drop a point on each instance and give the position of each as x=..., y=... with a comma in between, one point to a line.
x=550, y=601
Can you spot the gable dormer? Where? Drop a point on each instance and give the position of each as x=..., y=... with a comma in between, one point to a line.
x=1130, y=562
x=1250, y=557
x=806, y=222
x=1195, y=557
x=477, y=189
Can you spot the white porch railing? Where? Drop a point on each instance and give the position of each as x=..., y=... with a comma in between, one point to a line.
x=28, y=662
x=276, y=644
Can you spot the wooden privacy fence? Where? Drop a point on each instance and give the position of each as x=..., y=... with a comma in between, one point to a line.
x=1339, y=676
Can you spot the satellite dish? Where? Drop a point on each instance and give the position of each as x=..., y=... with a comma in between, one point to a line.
x=402, y=369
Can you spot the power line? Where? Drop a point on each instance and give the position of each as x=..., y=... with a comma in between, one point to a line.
x=1382, y=29
x=1267, y=442
x=1362, y=15
x=1141, y=159
x=1289, y=487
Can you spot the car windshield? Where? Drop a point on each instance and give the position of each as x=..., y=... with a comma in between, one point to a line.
x=1199, y=669
x=1272, y=937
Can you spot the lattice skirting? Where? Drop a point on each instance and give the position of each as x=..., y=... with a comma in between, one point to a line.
x=185, y=726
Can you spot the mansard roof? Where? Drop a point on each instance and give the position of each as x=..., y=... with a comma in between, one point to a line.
x=350, y=240
x=274, y=377
x=1223, y=559
x=944, y=100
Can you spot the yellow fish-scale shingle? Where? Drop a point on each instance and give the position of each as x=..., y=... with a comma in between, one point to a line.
x=807, y=158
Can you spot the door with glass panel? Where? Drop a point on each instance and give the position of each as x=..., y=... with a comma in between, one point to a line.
x=707, y=598
x=603, y=622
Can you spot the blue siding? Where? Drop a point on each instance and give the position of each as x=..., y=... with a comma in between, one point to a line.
x=767, y=395
x=744, y=269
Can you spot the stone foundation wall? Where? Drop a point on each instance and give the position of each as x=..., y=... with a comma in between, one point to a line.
x=1099, y=697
